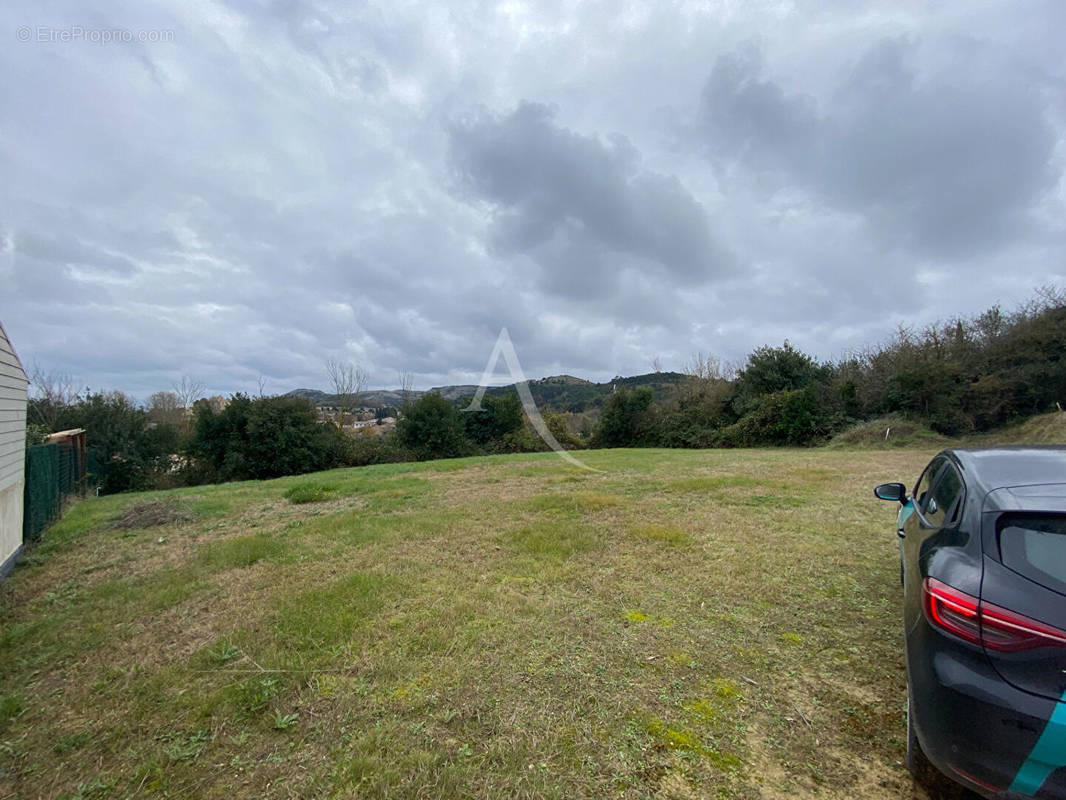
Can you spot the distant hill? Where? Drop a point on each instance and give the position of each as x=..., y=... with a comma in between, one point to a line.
x=453, y=392
x=567, y=393
x=555, y=393
x=376, y=398
x=314, y=395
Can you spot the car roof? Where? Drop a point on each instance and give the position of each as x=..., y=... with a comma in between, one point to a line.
x=992, y=468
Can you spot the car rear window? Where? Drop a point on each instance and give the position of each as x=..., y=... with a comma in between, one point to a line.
x=1035, y=546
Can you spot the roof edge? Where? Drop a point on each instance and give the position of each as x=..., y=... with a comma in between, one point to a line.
x=14, y=352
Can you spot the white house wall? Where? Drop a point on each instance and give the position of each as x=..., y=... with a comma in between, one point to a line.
x=13, y=385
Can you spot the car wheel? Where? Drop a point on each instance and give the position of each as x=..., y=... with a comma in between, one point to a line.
x=914, y=748
x=918, y=764
x=933, y=783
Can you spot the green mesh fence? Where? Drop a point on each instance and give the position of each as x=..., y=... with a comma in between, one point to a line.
x=52, y=474
x=93, y=468
x=42, y=499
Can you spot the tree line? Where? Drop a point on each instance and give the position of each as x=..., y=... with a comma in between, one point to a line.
x=955, y=376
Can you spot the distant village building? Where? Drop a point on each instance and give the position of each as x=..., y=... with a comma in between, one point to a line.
x=14, y=385
x=218, y=403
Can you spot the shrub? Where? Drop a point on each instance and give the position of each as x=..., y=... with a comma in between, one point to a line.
x=560, y=427
x=772, y=370
x=781, y=419
x=35, y=434
x=626, y=419
x=497, y=417
x=263, y=438
x=433, y=428
x=678, y=428
x=130, y=455
x=362, y=451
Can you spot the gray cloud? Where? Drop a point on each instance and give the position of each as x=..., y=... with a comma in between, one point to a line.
x=70, y=253
x=946, y=164
x=553, y=189
x=291, y=181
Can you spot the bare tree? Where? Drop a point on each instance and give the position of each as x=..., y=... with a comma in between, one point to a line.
x=261, y=382
x=707, y=367
x=707, y=384
x=165, y=408
x=51, y=393
x=348, y=381
x=702, y=366
x=407, y=382
x=188, y=391
x=656, y=364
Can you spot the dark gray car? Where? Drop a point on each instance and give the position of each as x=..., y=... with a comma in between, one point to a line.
x=983, y=564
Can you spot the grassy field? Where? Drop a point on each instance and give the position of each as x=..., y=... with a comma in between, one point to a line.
x=682, y=624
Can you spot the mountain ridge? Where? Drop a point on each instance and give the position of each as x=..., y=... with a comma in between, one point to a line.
x=555, y=392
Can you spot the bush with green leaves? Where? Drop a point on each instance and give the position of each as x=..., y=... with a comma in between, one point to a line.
x=693, y=412
x=262, y=438
x=365, y=449
x=778, y=369
x=626, y=419
x=432, y=427
x=130, y=455
x=782, y=419
x=559, y=425
x=969, y=374
x=496, y=417
x=35, y=434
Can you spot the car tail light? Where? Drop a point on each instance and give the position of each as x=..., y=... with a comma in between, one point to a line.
x=983, y=623
x=974, y=779
x=951, y=610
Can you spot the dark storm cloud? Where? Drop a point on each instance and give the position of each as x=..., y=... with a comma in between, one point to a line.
x=947, y=163
x=548, y=183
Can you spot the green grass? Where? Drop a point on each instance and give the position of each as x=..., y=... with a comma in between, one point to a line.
x=309, y=493
x=892, y=431
x=242, y=551
x=667, y=534
x=1041, y=429
x=719, y=624
x=895, y=431
x=550, y=540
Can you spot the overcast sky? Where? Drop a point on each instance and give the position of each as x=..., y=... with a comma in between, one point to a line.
x=249, y=188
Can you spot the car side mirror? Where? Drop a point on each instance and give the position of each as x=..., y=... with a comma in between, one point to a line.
x=891, y=491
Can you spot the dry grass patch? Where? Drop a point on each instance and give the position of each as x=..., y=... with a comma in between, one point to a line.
x=683, y=624
x=153, y=514
x=1041, y=429
x=574, y=504
x=890, y=431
